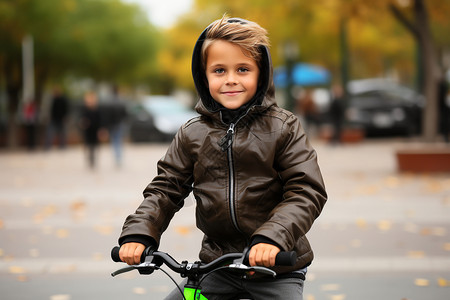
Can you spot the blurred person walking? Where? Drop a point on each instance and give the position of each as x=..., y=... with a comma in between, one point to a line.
x=337, y=112
x=307, y=110
x=30, y=119
x=89, y=124
x=59, y=110
x=444, y=109
x=115, y=118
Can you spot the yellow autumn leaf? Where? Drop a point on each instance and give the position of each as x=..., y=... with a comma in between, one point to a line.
x=182, y=230
x=16, y=270
x=421, y=282
x=442, y=282
x=447, y=246
x=22, y=278
x=392, y=181
x=139, y=291
x=78, y=205
x=361, y=223
x=416, y=254
x=384, y=225
x=62, y=233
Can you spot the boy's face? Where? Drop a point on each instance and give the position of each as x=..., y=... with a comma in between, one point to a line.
x=232, y=76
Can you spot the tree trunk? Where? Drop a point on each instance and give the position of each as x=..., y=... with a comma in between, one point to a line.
x=430, y=76
x=420, y=29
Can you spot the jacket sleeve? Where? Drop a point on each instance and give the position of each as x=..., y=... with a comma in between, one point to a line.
x=304, y=192
x=163, y=197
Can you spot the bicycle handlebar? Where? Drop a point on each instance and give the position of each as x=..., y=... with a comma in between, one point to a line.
x=156, y=258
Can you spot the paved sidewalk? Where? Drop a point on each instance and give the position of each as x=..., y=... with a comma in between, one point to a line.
x=382, y=235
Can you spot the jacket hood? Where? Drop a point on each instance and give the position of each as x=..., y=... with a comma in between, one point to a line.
x=207, y=105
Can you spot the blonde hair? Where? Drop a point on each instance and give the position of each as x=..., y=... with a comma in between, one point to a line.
x=246, y=34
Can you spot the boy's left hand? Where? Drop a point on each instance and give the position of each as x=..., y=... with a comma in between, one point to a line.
x=263, y=254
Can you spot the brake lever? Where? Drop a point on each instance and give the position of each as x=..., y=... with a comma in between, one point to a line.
x=257, y=269
x=123, y=270
x=144, y=268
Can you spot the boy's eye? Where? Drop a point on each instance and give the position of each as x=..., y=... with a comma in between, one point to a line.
x=242, y=70
x=219, y=71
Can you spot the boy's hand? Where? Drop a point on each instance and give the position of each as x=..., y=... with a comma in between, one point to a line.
x=130, y=253
x=263, y=255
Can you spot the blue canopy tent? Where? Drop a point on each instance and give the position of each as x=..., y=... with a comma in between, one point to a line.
x=303, y=74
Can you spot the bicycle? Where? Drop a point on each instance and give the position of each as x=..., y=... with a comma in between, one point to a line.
x=196, y=272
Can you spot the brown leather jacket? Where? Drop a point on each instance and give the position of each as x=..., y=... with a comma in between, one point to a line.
x=257, y=176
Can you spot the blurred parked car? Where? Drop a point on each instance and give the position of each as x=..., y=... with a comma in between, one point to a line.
x=382, y=107
x=157, y=119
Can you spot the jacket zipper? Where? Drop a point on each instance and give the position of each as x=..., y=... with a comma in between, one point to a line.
x=226, y=145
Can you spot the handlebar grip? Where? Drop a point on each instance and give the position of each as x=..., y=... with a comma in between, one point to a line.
x=115, y=254
x=286, y=258
x=116, y=258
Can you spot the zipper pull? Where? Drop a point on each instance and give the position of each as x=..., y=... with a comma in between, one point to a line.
x=227, y=140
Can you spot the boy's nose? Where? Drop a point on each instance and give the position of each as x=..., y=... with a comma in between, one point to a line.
x=231, y=79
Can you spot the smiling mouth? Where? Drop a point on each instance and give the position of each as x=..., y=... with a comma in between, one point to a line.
x=232, y=93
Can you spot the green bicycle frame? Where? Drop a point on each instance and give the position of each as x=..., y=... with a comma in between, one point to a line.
x=189, y=294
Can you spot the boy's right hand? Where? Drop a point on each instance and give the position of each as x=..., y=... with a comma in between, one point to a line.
x=130, y=253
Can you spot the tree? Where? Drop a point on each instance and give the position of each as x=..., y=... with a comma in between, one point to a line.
x=105, y=40
x=419, y=26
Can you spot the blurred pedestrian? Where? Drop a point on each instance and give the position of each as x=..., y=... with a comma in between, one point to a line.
x=30, y=118
x=308, y=110
x=444, y=109
x=89, y=123
x=337, y=112
x=59, y=110
x=115, y=114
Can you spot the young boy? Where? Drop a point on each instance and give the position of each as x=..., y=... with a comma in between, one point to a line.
x=252, y=171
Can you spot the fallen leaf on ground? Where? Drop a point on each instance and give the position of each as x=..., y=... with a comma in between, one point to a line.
x=139, y=291
x=337, y=297
x=447, y=246
x=22, y=278
x=16, y=270
x=442, y=282
x=392, y=181
x=416, y=254
x=421, y=282
x=182, y=230
x=330, y=287
x=78, y=205
x=384, y=225
x=361, y=223
x=62, y=233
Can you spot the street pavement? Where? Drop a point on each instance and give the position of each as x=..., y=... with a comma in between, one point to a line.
x=382, y=235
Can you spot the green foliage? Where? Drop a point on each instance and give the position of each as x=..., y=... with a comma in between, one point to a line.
x=100, y=39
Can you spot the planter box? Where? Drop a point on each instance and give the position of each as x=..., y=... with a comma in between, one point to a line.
x=426, y=158
x=348, y=135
